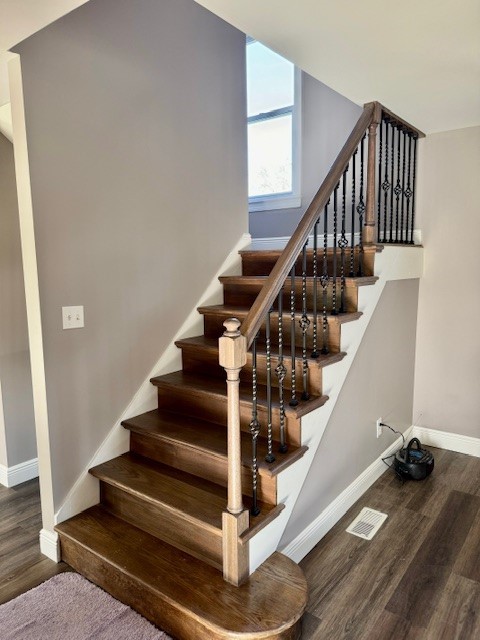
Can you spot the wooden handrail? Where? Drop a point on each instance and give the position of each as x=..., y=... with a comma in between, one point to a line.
x=285, y=262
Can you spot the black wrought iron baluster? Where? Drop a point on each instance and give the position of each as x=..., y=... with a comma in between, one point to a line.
x=335, y=242
x=293, y=401
x=398, y=187
x=255, y=431
x=402, y=210
x=269, y=457
x=361, y=206
x=352, y=222
x=408, y=190
x=281, y=372
x=343, y=242
x=324, y=281
x=304, y=324
x=386, y=184
x=415, y=137
x=392, y=174
x=380, y=236
x=314, y=353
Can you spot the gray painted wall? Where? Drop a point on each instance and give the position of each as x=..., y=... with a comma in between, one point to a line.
x=447, y=373
x=15, y=373
x=327, y=120
x=379, y=384
x=136, y=132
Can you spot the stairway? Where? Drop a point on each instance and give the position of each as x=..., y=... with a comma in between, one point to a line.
x=155, y=540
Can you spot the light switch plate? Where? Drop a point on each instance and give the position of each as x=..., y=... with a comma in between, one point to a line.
x=73, y=317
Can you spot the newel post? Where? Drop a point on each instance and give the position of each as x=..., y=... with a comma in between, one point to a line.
x=232, y=357
x=369, y=226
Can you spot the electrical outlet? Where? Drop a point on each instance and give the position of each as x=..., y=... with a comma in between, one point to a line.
x=379, y=427
x=72, y=317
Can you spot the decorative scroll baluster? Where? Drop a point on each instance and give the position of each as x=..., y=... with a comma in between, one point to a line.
x=304, y=324
x=269, y=457
x=361, y=206
x=380, y=236
x=392, y=173
x=408, y=190
x=415, y=136
x=386, y=185
x=314, y=353
x=343, y=242
x=324, y=281
x=293, y=401
x=352, y=222
x=281, y=372
x=334, y=267
x=403, y=231
x=398, y=186
x=255, y=431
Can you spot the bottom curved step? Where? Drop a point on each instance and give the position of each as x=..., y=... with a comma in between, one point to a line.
x=180, y=594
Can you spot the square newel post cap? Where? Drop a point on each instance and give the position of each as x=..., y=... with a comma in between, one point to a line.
x=232, y=346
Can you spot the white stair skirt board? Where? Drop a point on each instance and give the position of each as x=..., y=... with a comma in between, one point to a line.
x=11, y=476
x=367, y=523
x=86, y=491
x=447, y=440
x=304, y=543
x=50, y=544
x=393, y=263
x=280, y=242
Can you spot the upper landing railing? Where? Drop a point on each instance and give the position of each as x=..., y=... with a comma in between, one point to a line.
x=367, y=197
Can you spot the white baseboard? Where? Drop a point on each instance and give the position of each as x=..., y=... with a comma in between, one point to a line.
x=50, y=544
x=280, y=242
x=11, y=476
x=447, y=440
x=304, y=543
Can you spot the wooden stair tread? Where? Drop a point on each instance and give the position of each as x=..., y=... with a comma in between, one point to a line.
x=211, y=345
x=209, y=437
x=242, y=312
x=176, y=591
x=350, y=281
x=204, y=385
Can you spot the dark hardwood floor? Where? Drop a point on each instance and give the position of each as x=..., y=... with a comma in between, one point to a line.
x=22, y=566
x=419, y=578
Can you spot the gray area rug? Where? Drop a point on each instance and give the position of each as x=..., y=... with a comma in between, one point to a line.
x=68, y=607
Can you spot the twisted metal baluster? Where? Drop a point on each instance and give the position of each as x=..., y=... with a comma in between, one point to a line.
x=304, y=324
x=293, y=401
x=402, y=219
x=386, y=184
x=281, y=372
x=379, y=217
x=392, y=174
x=415, y=136
x=324, y=281
x=334, y=268
x=361, y=206
x=254, y=430
x=343, y=242
x=352, y=222
x=269, y=457
x=398, y=186
x=408, y=191
x=314, y=353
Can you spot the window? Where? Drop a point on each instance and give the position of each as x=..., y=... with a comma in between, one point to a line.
x=273, y=90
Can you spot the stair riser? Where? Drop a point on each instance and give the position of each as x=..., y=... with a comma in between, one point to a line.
x=214, y=409
x=245, y=295
x=200, y=463
x=261, y=265
x=172, y=527
x=213, y=324
x=206, y=362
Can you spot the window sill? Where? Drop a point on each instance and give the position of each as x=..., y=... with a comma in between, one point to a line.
x=270, y=204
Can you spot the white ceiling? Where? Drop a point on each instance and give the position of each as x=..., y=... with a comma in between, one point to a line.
x=420, y=58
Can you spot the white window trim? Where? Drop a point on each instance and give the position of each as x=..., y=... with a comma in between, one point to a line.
x=292, y=199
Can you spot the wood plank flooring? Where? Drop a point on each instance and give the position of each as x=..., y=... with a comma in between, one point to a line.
x=419, y=578
x=22, y=566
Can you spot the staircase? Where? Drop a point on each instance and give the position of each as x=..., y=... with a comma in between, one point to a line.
x=161, y=537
